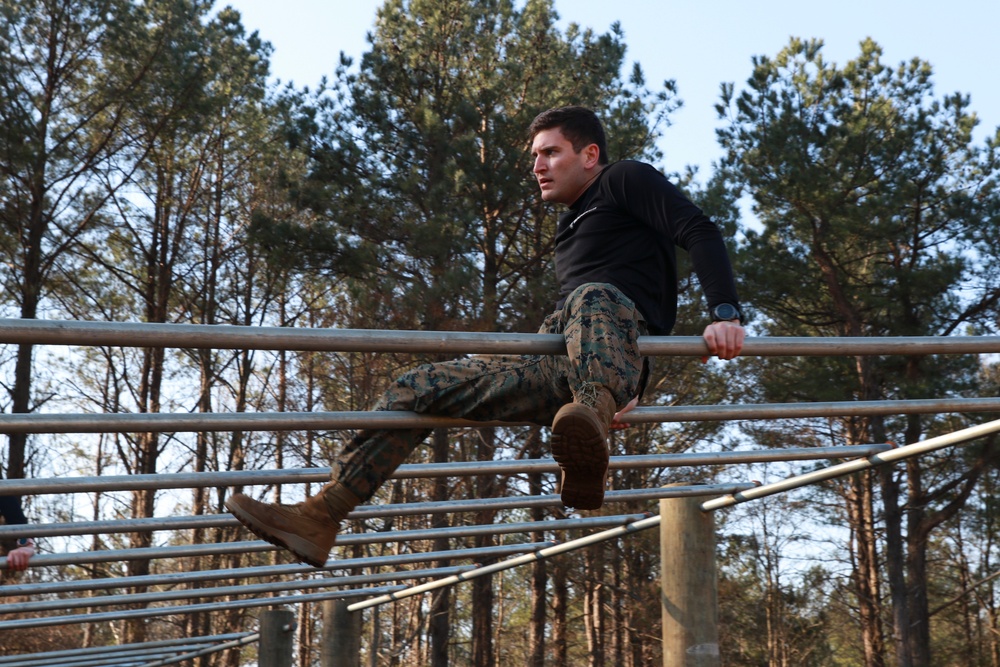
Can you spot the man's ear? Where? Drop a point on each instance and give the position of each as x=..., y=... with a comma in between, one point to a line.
x=592, y=155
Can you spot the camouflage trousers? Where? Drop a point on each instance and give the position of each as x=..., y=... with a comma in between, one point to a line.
x=601, y=326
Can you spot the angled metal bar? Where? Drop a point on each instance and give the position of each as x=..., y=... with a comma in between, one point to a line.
x=205, y=651
x=367, y=511
x=168, y=422
x=291, y=569
x=348, y=539
x=255, y=546
x=848, y=467
x=71, y=619
x=111, y=658
x=71, y=653
x=92, y=660
x=220, y=591
x=197, y=480
x=136, y=657
x=541, y=554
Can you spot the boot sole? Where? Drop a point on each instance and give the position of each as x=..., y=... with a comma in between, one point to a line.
x=581, y=450
x=291, y=542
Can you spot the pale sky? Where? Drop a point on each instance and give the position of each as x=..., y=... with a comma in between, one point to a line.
x=699, y=44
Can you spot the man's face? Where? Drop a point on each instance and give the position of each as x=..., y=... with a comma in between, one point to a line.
x=562, y=173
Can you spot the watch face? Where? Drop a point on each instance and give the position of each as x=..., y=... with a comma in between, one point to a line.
x=726, y=311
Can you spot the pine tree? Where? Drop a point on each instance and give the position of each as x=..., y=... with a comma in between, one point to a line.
x=872, y=202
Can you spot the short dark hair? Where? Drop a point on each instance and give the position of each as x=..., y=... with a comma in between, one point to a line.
x=579, y=125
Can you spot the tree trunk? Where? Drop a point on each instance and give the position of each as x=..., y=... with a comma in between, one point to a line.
x=440, y=622
x=482, y=587
x=594, y=601
x=894, y=563
x=859, y=508
x=917, y=532
x=560, y=597
x=31, y=288
x=539, y=569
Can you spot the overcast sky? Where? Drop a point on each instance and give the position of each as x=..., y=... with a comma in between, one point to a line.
x=698, y=44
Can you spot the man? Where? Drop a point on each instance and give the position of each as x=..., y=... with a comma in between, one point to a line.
x=615, y=261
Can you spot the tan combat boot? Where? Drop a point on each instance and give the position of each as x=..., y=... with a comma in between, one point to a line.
x=580, y=447
x=307, y=529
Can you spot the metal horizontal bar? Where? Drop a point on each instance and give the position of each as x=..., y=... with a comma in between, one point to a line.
x=807, y=410
x=168, y=422
x=291, y=569
x=199, y=480
x=848, y=467
x=363, y=512
x=125, y=648
x=143, y=334
x=145, y=553
x=344, y=540
x=149, y=553
x=151, y=524
x=349, y=539
x=808, y=346
x=219, y=591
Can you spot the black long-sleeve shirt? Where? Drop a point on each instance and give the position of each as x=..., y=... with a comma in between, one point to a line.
x=10, y=510
x=624, y=230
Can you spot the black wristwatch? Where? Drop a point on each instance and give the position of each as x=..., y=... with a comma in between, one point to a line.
x=726, y=312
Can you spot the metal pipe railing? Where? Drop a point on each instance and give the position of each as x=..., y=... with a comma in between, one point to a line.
x=290, y=569
x=201, y=480
x=167, y=422
x=70, y=619
x=346, y=540
x=371, y=511
x=760, y=491
x=273, y=338
x=143, y=334
x=137, y=658
x=541, y=554
x=848, y=467
x=185, y=643
x=221, y=591
x=206, y=651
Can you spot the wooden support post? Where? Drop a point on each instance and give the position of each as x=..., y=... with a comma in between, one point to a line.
x=341, y=635
x=688, y=599
x=277, y=632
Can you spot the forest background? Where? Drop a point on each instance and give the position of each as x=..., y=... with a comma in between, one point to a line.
x=153, y=171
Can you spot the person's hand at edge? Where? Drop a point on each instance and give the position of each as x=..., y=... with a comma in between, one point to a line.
x=17, y=559
x=617, y=425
